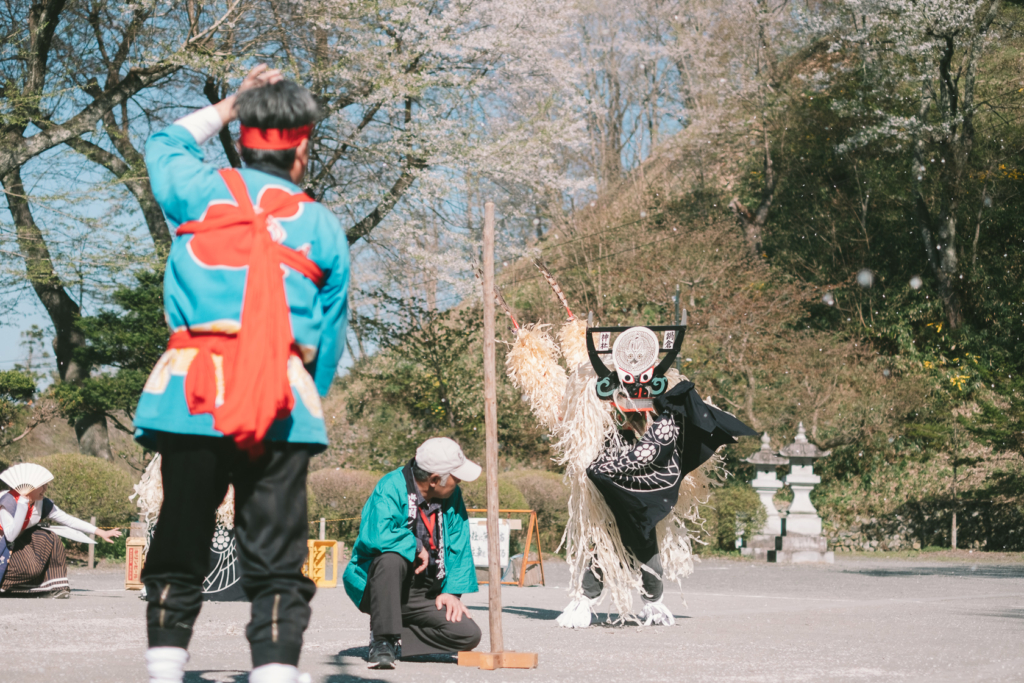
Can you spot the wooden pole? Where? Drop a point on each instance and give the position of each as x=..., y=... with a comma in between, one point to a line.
x=497, y=658
x=323, y=528
x=92, y=548
x=491, y=438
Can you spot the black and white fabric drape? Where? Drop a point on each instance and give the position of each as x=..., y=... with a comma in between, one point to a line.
x=224, y=581
x=640, y=480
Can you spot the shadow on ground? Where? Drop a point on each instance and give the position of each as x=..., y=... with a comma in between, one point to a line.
x=1003, y=614
x=528, y=612
x=362, y=653
x=983, y=571
x=343, y=676
x=599, y=619
x=216, y=676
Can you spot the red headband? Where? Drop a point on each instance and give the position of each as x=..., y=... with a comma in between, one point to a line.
x=273, y=138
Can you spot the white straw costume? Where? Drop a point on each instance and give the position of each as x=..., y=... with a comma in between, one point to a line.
x=588, y=442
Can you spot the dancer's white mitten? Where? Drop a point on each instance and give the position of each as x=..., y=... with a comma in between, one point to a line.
x=656, y=614
x=277, y=673
x=577, y=614
x=166, y=664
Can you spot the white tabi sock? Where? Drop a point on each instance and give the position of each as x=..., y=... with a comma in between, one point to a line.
x=578, y=613
x=166, y=664
x=277, y=673
x=655, y=613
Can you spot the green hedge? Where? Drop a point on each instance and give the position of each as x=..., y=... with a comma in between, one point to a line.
x=510, y=497
x=339, y=494
x=728, y=505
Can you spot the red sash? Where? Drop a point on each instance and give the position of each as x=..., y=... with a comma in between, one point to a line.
x=28, y=515
x=430, y=521
x=255, y=360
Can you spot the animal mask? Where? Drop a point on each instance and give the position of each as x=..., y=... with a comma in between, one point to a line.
x=638, y=374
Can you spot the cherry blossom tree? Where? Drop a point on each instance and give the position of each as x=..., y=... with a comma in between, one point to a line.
x=921, y=65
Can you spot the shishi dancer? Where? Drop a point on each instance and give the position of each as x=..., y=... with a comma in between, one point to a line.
x=255, y=293
x=638, y=445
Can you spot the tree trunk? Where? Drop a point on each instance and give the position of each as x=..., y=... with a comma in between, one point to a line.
x=611, y=142
x=93, y=437
x=62, y=309
x=753, y=222
x=952, y=543
x=941, y=254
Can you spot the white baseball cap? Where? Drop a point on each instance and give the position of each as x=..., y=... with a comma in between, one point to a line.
x=441, y=455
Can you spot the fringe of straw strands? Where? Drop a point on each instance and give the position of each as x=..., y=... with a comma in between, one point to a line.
x=572, y=340
x=591, y=537
x=532, y=365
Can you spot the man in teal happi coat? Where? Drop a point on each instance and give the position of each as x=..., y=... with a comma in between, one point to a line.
x=412, y=561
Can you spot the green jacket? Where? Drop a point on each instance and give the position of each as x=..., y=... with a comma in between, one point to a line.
x=385, y=527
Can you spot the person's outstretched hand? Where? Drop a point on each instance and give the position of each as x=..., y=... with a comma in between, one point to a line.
x=454, y=609
x=108, y=535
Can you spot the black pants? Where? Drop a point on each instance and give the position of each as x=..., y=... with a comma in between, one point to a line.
x=271, y=530
x=654, y=588
x=400, y=608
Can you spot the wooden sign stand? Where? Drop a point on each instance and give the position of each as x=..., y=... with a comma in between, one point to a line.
x=532, y=526
x=497, y=658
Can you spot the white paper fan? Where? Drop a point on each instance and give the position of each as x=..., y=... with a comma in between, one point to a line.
x=25, y=477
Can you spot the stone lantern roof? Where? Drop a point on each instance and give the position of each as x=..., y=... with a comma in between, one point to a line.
x=765, y=456
x=801, y=447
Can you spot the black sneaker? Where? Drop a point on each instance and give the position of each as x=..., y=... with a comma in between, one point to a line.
x=383, y=653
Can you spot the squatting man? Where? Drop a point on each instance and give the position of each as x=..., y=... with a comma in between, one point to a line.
x=412, y=561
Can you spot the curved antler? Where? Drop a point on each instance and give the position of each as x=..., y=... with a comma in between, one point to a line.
x=508, y=311
x=555, y=286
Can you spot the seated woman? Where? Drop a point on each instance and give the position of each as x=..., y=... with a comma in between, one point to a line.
x=32, y=559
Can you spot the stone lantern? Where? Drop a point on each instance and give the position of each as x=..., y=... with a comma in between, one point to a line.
x=799, y=539
x=766, y=483
x=803, y=519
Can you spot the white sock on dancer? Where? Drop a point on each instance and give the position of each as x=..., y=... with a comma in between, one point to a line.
x=166, y=664
x=277, y=673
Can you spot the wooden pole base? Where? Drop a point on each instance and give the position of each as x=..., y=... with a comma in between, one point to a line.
x=489, y=661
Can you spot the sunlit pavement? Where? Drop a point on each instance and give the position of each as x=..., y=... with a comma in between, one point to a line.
x=857, y=620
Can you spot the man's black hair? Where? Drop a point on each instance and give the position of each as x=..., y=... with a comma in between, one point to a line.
x=284, y=104
x=420, y=474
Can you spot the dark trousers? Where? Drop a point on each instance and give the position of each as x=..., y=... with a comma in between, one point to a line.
x=400, y=608
x=654, y=588
x=271, y=530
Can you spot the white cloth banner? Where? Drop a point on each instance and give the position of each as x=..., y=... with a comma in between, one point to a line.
x=478, y=541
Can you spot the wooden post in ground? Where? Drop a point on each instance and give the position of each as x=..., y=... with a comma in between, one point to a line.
x=92, y=547
x=497, y=658
x=491, y=438
x=323, y=528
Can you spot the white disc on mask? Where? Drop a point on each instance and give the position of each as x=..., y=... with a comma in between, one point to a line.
x=635, y=350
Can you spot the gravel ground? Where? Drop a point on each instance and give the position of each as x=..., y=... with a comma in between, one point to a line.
x=861, y=619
